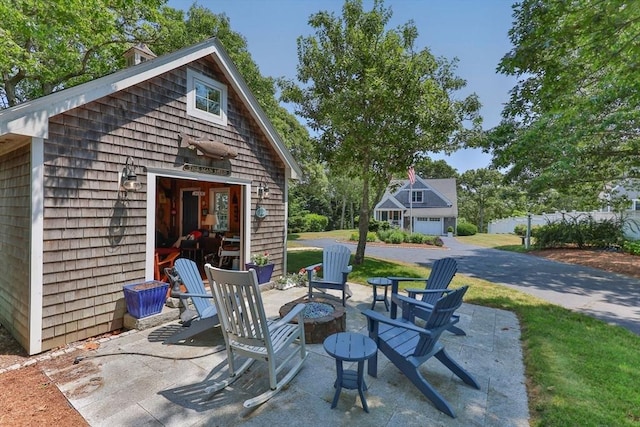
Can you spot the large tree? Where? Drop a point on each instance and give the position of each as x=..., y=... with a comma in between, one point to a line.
x=480, y=196
x=376, y=102
x=573, y=121
x=49, y=45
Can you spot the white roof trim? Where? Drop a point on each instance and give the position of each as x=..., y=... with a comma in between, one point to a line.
x=392, y=199
x=32, y=118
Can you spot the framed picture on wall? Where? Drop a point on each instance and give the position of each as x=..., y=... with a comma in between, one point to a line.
x=205, y=212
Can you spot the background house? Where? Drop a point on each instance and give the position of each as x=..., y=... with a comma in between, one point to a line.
x=430, y=206
x=196, y=152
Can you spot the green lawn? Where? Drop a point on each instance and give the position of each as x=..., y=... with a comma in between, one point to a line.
x=580, y=371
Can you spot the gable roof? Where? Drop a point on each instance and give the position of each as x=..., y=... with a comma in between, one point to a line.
x=439, y=194
x=31, y=118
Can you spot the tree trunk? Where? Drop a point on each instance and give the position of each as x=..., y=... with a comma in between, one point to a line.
x=352, y=216
x=342, y=214
x=363, y=225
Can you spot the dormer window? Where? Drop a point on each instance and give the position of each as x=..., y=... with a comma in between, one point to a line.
x=416, y=196
x=206, y=98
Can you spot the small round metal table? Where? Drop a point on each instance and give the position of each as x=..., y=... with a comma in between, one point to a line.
x=350, y=347
x=379, y=281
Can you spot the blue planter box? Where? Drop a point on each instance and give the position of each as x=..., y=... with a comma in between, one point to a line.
x=145, y=299
x=263, y=272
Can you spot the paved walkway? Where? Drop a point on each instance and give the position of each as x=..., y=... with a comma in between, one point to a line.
x=136, y=380
x=611, y=297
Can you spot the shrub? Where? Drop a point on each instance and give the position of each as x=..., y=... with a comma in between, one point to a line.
x=466, y=229
x=384, y=235
x=632, y=248
x=315, y=222
x=396, y=237
x=417, y=238
x=581, y=232
x=438, y=241
x=375, y=225
x=520, y=229
x=296, y=224
x=449, y=229
x=371, y=237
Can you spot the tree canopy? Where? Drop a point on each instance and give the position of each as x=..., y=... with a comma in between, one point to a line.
x=573, y=120
x=49, y=45
x=374, y=100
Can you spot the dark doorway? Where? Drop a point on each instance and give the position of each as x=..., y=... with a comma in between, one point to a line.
x=190, y=206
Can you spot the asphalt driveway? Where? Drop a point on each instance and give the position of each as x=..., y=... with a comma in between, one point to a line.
x=611, y=297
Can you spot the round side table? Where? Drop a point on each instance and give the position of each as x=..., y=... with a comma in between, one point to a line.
x=379, y=281
x=350, y=347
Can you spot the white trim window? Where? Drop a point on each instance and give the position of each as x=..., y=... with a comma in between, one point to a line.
x=206, y=98
x=635, y=205
x=416, y=196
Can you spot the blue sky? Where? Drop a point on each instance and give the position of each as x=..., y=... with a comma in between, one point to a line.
x=474, y=31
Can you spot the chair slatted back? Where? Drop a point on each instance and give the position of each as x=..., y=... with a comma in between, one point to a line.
x=335, y=260
x=240, y=307
x=440, y=319
x=190, y=275
x=440, y=277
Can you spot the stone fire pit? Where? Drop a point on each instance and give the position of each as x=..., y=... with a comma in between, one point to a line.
x=322, y=317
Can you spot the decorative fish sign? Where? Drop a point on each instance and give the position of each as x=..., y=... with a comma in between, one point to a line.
x=212, y=149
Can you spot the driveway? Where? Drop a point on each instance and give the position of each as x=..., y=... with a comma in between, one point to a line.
x=611, y=297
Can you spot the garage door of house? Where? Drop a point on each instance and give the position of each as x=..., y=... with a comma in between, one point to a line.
x=430, y=226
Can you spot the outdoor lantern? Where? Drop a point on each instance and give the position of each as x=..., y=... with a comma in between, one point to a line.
x=128, y=178
x=262, y=190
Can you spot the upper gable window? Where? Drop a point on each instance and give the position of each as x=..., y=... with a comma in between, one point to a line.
x=206, y=98
x=416, y=196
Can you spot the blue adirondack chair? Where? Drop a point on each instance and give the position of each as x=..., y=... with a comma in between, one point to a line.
x=335, y=269
x=207, y=314
x=408, y=346
x=440, y=277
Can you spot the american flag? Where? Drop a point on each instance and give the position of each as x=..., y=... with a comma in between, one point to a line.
x=412, y=175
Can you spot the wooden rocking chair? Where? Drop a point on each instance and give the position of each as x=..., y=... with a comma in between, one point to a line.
x=248, y=333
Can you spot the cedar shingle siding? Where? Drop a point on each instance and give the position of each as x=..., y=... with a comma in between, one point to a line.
x=94, y=240
x=15, y=226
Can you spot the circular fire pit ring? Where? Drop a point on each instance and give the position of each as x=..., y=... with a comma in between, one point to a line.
x=322, y=317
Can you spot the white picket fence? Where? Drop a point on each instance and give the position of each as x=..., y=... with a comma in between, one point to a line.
x=507, y=225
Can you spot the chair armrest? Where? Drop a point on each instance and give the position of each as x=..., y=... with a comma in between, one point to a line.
x=412, y=302
x=413, y=292
x=375, y=317
x=348, y=270
x=313, y=267
x=186, y=294
x=407, y=279
x=289, y=317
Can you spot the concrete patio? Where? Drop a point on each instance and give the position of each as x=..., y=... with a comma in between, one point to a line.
x=135, y=379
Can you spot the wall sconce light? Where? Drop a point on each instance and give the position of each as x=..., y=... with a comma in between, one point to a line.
x=128, y=178
x=262, y=190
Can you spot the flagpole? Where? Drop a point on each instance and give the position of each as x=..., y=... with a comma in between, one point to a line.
x=410, y=207
x=412, y=178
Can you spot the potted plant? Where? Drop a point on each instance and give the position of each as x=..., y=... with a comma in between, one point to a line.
x=450, y=231
x=263, y=267
x=291, y=280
